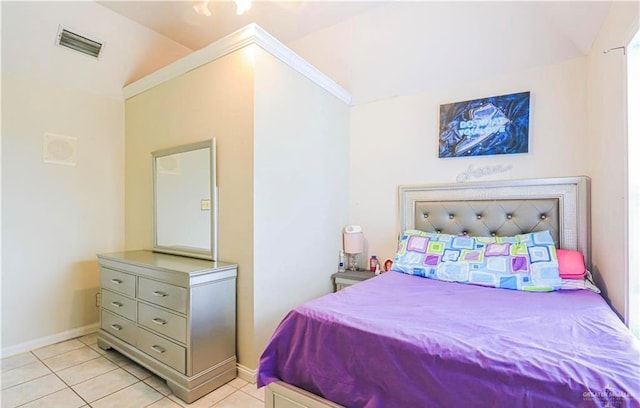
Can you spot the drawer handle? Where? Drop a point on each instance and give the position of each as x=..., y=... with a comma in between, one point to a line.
x=116, y=327
x=117, y=304
x=158, y=349
x=159, y=321
x=116, y=281
x=159, y=293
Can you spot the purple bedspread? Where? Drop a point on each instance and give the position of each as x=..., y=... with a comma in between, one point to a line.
x=405, y=341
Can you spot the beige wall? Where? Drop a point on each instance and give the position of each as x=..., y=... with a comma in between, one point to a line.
x=394, y=142
x=282, y=146
x=55, y=218
x=214, y=100
x=301, y=188
x=607, y=151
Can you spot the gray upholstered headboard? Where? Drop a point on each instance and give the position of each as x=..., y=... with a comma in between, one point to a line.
x=503, y=208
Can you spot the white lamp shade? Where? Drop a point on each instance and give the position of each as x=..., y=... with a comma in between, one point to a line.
x=353, y=243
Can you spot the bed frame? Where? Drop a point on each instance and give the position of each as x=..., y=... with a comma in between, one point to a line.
x=497, y=208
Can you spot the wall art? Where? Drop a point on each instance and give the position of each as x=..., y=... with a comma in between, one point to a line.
x=486, y=126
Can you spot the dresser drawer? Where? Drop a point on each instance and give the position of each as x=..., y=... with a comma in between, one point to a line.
x=169, y=324
x=118, y=326
x=163, y=350
x=169, y=296
x=118, y=281
x=119, y=304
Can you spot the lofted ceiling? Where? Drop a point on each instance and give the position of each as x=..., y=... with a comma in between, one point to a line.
x=373, y=49
x=422, y=46
x=290, y=20
x=382, y=49
x=286, y=20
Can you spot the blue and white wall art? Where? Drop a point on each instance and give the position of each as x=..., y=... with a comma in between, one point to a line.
x=487, y=126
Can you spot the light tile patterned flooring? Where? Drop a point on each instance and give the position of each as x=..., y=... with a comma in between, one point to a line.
x=77, y=373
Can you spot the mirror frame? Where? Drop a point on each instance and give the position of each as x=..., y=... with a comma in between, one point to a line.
x=212, y=252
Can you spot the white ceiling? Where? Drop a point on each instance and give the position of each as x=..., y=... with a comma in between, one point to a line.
x=381, y=49
x=412, y=47
x=375, y=50
x=286, y=20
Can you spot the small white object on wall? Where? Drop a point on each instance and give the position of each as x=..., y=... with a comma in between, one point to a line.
x=59, y=149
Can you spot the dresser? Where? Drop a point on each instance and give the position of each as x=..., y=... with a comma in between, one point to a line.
x=174, y=315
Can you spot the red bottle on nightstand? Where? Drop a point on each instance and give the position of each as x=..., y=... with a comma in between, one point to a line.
x=373, y=263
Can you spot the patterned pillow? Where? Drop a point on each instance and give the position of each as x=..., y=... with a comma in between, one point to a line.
x=524, y=262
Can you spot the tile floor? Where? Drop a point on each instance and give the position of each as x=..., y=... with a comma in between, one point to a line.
x=77, y=373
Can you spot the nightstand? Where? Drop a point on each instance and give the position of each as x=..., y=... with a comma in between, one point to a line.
x=343, y=279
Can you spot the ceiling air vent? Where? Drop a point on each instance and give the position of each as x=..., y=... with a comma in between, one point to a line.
x=79, y=43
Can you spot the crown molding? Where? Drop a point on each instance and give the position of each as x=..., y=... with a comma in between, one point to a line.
x=250, y=34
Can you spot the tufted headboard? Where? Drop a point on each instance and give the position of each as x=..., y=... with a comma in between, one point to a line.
x=503, y=208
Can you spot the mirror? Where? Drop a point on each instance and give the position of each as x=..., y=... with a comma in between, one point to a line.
x=185, y=200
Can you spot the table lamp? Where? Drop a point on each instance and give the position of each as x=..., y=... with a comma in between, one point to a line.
x=353, y=245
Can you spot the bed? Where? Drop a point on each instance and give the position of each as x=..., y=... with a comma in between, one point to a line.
x=399, y=340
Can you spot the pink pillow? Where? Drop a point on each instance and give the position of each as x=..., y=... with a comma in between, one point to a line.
x=571, y=264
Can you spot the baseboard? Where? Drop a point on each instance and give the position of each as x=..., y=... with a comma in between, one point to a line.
x=48, y=340
x=244, y=373
x=247, y=374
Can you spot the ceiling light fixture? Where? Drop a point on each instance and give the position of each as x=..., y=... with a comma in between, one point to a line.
x=202, y=8
x=242, y=6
